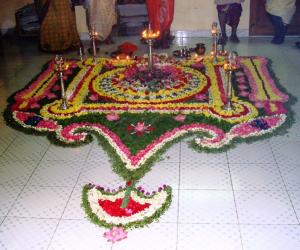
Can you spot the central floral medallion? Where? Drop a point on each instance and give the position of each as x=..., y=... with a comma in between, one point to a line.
x=166, y=82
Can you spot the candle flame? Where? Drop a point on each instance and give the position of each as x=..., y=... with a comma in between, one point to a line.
x=150, y=34
x=229, y=66
x=214, y=28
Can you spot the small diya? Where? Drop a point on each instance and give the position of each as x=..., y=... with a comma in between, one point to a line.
x=200, y=49
x=183, y=52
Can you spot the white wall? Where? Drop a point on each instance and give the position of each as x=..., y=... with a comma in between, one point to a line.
x=198, y=15
x=191, y=16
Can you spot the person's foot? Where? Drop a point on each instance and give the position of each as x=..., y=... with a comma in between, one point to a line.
x=277, y=40
x=156, y=44
x=223, y=40
x=109, y=41
x=165, y=45
x=234, y=39
x=90, y=50
x=161, y=45
x=171, y=38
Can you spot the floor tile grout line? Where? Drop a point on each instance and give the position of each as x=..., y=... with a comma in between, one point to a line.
x=235, y=202
x=83, y=167
x=25, y=185
x=34, y=218
x=238, y=190
x=180, y=223
x=243, y=224
x=9, y=144
x=178, y=194
x=67, y=202
x=291, y=62
x=45, y=186
x=90, y=150
x=86, y=161
x=74, y=187
x=285, y=187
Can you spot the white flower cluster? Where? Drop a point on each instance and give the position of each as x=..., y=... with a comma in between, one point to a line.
x=155, y=202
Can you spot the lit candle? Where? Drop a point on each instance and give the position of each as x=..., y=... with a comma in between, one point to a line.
x=214, y=28
x=81, y=54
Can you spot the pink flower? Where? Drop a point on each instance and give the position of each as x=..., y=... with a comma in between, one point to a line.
x=180, y=118
x=115, y=234
x=23, y=116
x=243, y=129
x=128, y=211
x=94, y=97
x=240, y=80
x=244, y=93
x=51, y=96
x=259, y=104
x=200, y=97
x=199, y=66
x=49, y=124
x=140, y=128
x=242, y=86
x=34, y=105
x=56, y=87
x=112, y=117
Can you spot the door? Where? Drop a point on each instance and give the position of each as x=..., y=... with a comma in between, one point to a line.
x=260, y=24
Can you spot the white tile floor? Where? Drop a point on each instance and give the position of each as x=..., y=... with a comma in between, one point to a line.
x=245, y=199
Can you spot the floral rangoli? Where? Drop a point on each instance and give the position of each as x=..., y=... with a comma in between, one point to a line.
x=136, y=114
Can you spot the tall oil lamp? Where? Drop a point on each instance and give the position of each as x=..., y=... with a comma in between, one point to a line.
x=93, y=35
x=60, y=68
x=214, y=48
x=80, y=52
x=229, y=67
x=149, y=35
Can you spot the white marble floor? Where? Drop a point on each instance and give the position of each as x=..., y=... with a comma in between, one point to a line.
x=247, y=198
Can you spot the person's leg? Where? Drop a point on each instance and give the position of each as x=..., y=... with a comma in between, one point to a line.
x=279, y=29
x=274, y=21
x=167, y=7
x=222, y=21
x=283, y=30
x=233, y=38
x=234, y=14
